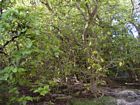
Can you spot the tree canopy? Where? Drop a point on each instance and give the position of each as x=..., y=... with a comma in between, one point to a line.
x=43, y=43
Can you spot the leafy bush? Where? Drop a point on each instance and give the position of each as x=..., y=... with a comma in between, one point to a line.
x=28, y=48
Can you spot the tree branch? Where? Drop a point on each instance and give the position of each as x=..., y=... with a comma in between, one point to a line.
x=47, y=5
x=132, y=6
x=82, y=13
x=1, y=9
x=94, y=11
x=91, y=16
x=88, y=8
x=137, y=28
x=6, y=43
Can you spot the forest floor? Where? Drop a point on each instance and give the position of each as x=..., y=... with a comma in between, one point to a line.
x=78, y=94
x=122, y=95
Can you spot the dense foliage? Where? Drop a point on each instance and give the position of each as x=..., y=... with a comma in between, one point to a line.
x=43, y=43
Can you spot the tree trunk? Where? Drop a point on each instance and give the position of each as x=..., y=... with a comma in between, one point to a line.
x=93, y=86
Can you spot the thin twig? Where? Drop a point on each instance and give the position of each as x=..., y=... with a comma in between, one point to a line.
x=82, y=13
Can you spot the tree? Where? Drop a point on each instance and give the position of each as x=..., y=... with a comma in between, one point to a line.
x=44, y=40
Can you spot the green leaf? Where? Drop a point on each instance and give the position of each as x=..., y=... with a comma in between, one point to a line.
x=42, y=90
x=14, y=70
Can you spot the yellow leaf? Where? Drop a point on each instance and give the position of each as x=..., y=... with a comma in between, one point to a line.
x=102, y=60
x=94, y=52
x=120, y=63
